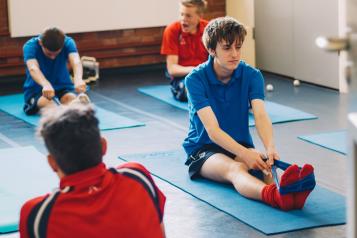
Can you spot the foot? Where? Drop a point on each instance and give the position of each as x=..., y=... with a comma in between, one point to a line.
x=290, y=176
x=300, y=197
x=272, y=196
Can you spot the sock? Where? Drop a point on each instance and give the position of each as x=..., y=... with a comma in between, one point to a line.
x=300, y=197
x=271, y=195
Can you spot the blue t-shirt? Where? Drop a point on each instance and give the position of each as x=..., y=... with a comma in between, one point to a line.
x=55, y=70
x=230, y=102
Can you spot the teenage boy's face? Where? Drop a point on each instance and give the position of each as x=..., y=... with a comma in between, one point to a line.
x=189, y=18
x=228, y=56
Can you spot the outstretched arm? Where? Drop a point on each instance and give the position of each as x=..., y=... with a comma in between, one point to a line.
x=265, y=129
x=251, y=158
x=37, y=75
x=174, y=68
x=75, y=62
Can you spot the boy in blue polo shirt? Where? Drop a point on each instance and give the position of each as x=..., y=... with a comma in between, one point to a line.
x=219, y=146
x=47, y=75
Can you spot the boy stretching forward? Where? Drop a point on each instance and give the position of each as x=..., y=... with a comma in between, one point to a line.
x=47, y=76
x=219, y=145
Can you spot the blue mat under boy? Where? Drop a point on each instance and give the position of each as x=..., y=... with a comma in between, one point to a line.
x=13, y=105
x=323, y=207
x=336, y=140
x=24, y=174
x=277, y=112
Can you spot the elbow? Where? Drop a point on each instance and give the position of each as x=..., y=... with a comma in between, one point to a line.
x=212, y=133
x=171, y=71
x=77, y=65
x=262, y=119
x=33, y=70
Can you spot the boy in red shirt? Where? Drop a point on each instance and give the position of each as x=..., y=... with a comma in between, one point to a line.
x=182, y=45
x=91, y=201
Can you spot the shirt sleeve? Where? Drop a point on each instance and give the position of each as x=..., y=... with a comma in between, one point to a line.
x=256, y=85
x=25, y=216
x=29, y=50
x=170, y=41
x=160, y=197
x=70, y=45
x=196, y=90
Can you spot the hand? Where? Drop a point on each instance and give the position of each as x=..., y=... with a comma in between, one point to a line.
x=80, y=86
x=272, y=155
x=48, y=91
x=253, y=160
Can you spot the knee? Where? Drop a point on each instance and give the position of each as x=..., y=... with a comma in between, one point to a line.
x=43, y=102
x=237, y=168
x=67, y=98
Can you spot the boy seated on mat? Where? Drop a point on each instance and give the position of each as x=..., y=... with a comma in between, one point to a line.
x=47, y=75
x=91, y=201
x=182, y=45
x=219, y=145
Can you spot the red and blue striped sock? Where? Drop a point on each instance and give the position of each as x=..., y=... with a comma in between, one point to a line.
x=300, y=197
x=271, y=195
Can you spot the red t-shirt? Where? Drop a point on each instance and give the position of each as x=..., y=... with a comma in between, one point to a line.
x=97, y=202
x=188, y=47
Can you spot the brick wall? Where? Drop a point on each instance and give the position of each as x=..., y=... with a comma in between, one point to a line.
x=119, y=48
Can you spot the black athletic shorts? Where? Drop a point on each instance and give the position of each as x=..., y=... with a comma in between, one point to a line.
x=199, y=157
x=30, y=106
x=177, y=87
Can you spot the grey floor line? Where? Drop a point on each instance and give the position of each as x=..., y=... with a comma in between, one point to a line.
x=8, y=140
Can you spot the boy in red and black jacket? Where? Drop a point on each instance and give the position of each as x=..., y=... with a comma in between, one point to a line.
x=91, y=201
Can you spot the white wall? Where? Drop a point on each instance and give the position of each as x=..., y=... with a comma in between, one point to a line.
x=311, y=63
x=30, y=17
x=285, y=39
x=274, y=36
x=243, y=11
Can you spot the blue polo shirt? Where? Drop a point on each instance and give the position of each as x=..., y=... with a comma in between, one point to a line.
x=55, y=71
x=230, y=102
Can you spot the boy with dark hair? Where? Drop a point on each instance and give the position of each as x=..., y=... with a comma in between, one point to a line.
x=182, y=45
x=47, y=75
x=219, y=145
x=91, y=201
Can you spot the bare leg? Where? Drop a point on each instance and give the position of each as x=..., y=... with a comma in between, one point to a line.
x=68, y=98
x=44, y=102
x=221, y=168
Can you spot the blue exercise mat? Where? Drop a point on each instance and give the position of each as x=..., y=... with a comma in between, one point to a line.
x=336, y=140
x=323, y=208
x=13, y=105
x=277, y=112
x=24, y=174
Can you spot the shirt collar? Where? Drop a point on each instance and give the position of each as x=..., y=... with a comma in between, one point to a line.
x=212, y=78
x=85, y=177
